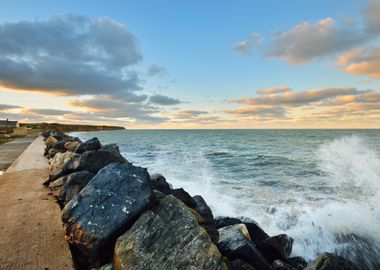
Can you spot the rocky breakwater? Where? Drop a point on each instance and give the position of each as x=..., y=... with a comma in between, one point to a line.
x=117, y=216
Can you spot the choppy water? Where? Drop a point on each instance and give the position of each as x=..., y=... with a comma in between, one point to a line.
x=322, y=187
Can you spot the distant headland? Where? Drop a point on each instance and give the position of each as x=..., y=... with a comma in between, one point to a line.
x=69, y=127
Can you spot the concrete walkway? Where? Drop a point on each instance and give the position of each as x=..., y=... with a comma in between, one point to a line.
x=31, y=233
x=11, y=150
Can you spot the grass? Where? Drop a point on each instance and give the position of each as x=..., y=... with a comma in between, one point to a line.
x=5, y=140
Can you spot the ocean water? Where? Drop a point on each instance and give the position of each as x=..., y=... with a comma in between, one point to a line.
x=321, y=187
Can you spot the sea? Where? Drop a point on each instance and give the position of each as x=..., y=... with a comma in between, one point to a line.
x=321, y=187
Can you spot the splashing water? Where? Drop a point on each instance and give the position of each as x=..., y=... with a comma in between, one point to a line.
x=321, y=187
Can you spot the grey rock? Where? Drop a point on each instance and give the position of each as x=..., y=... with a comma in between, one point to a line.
x=105, y=208
x=280, y=265
x=158, y=182
x=113, y=148
x=91, y=144
x=329, y=261
x=257, y=234
x=185, y=197
x=298, y=263
x=239, y=264
x=235, y=243
x=209, y=222
x=167, y=237
x=276, y=247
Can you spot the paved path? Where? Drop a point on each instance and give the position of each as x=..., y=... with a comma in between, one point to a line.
x=11, y=150
x=31, y=233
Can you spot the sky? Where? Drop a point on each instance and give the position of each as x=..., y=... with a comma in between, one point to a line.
x=192, y=64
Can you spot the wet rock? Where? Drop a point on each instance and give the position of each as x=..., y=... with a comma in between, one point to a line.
x=329, y=261
x=91, y=144
x=49, y=142
x=167, y=237
x=276, y=247
x=257, y=234
x=105, y=208
x=71, y=145
x=57, y=184
x=298, y=263
x=182, y=195
x=239, y=264
x=57, y=163
x=235, y=243
x=158, y=182
x=72, y=185
x=52, y=152
x=113, y=148
x=91, y=161
x=280, y=265
x=209, y=223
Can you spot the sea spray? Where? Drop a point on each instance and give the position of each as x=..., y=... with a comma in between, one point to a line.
x=318, y=186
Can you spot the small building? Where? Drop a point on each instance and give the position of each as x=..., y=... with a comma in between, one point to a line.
x=12, y=128
x=7, y=123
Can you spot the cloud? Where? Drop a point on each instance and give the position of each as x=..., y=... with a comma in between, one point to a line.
x=363, y=62
x=298, y=98
x=308, y=41
x=245, y=47
x=106, y=106
x=69, y=55
x=188, y=114
x=4, y=107
x=155, y=70
x=371, y=16
x=267, y=111
x=49, y=112
x=163, y=100
x=274, y=90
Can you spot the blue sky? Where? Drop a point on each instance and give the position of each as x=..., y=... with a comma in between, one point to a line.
x=192, y=43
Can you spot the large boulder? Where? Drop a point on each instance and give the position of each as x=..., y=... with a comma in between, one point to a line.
x=257, y=234
x=72, y=185
x=235, y=243
x=329, y=261
x=105, y=208
x=91, y=161
x=209, y=222
x=71, y=145
x=113, y=148
x=91, y=144
x=49, y=142
x=158, y=182
x=277, y=247
x=57, y=163
x=185, y=197
x=167, y=237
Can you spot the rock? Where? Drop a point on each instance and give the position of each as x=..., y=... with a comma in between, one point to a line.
x=276, y=247
x=257, y=234
x=113, y=148
x=167, y=237
x=239, y=264
x=182, y=195
x=72, y=185
x=57, y=184
x=280, y=265
x=91, y=161
x=108, y=266
x=91, y=144
x=49, y=142
x=52, y=152
x=209, y=223
x=57, y=163
x=329, y=261
x=71, y=145
x=59, y=135
x=158, y=182
x=105, y=208
x=60, y=145
x=298, y=263
x=235, y=243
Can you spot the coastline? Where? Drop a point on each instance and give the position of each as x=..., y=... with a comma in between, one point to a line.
x=71, y=172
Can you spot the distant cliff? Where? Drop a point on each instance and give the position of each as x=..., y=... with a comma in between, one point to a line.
x=69, y=127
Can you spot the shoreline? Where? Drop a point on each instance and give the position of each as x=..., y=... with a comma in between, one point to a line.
x=72, y=169
x=152, y=222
